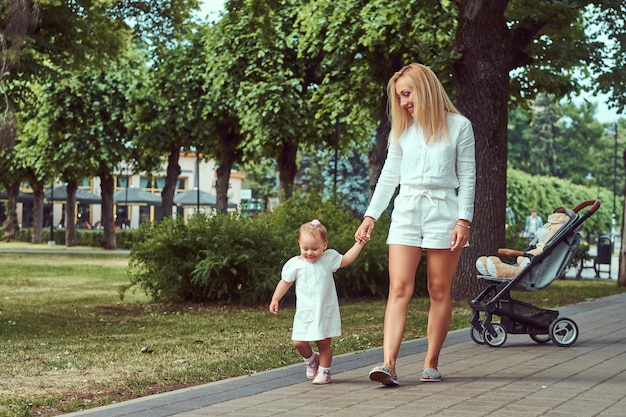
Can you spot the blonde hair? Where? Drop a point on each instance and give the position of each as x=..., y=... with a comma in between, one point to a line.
x=315, y=229
x=430, y=103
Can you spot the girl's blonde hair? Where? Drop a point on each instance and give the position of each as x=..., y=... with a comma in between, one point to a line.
x=430, y=103
x=315, y=229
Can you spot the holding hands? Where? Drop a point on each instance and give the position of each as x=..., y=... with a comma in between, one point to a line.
x=364, y=231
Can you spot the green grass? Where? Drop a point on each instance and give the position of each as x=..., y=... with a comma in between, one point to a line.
x=67, y=341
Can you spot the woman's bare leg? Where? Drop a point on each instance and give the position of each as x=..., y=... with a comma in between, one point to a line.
x=441, y=266
x=403, y=262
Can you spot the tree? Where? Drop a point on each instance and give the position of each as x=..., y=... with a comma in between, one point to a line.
x=168, y=119
x=71, y=35
x=480, y=44
x=264, y=108
x=53, y=40
x=16, y=18
x=80, y=130
x=574, y=129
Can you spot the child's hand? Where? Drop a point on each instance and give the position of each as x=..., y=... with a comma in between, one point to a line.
x=274, y=307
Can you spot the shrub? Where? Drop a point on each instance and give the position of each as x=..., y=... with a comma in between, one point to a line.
x=164, y=256
x=368, y=274
x=242, y=261
x=231, y=259
x=91, y=238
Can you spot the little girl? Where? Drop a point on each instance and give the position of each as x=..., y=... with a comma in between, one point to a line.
x=317, y=308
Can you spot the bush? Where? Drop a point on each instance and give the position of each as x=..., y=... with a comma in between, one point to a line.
x=368, y=274
x=242, y=261
x=164, y=256
x=231, y=259
x=91, y=238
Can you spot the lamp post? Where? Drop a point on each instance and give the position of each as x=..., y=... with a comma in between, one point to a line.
x=126, y=171
x=51, y=241
x=613, y=132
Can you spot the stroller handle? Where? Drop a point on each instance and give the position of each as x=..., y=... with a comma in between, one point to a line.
x=595, y=205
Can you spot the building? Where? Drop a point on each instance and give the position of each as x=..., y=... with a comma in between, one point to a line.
x=136, y=203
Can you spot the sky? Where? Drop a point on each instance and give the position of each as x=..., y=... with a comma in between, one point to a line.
x=211, y=8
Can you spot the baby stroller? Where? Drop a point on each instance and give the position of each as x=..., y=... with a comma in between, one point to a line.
x=519, y=317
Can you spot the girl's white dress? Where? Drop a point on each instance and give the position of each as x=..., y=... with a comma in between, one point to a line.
x=317, y=307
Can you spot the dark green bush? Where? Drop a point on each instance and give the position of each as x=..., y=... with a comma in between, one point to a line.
x=368, y=274
x=231, y=259
x=165, y=255
x=242, y=261
x=527, y=192
x=92, y=238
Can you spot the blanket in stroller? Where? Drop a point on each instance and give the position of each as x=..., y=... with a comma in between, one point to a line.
x=493, y=266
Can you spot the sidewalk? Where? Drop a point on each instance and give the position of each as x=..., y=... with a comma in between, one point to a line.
x=519, y=379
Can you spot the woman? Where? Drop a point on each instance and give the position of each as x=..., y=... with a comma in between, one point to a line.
x=431, y=157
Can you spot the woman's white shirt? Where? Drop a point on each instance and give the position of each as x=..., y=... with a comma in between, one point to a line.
x=443, y=164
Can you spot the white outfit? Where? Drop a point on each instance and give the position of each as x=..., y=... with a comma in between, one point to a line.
x=317, y=307
x=437, y=185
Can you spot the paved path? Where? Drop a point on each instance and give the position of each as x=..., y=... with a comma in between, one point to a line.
x=519, y=379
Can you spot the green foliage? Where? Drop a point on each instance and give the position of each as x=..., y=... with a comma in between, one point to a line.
x=165, y=256
x=240, y=263
x=526, y=192
x=236, y=260
x=88, y=238
x=562, y=140
x=367, y=275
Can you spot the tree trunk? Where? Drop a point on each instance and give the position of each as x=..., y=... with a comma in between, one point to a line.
x=481, y=79
x=171, y=179
x=107, y=186
x=378, y=153
x=287, y=168
x=38, y=197
x=70, y=214
x=229, y=154
x=11, y=226
x=221, y=184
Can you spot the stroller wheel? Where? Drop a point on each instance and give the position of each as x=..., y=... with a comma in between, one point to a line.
x=563, y=332
x=540, y=338
x=477, y=336
x=497, y=340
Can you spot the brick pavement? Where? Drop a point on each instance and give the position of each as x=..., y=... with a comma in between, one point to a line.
x=519, y=379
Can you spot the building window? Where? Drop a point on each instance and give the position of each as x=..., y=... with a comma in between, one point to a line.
x=156, y=184
x=121, y=181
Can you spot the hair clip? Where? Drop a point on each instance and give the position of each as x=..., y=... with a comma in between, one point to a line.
x=315, y=222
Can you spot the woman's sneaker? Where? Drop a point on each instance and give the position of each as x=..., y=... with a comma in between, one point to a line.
x=322, y=377
x=311, y=367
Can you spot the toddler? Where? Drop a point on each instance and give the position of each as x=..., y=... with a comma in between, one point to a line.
x=317, y=307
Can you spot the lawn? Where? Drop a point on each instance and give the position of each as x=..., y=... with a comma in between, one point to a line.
x=68, y=342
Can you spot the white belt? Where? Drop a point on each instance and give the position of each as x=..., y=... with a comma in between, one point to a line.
x=430, y=194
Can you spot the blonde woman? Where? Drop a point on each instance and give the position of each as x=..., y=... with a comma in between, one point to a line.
x=431, y=157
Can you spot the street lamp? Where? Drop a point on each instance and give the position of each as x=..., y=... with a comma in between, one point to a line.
x=51, y=241
x=612, y=131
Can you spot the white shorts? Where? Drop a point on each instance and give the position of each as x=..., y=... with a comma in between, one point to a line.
x=423, y=218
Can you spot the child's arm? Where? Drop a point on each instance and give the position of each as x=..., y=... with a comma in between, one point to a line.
x=351, y=254
x=280, y=291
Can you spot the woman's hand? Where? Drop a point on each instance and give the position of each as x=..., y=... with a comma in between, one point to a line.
x=460, y=235
x=364, y=231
